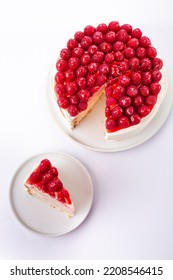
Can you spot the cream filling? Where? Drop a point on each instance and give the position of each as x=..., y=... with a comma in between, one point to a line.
x=67, y=208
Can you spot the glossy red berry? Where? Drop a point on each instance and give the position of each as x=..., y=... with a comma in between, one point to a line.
x=104, y=69
x=110, y=37
x=62, y=65
x=81, y=71
x=74, y=63
x=118, y=46
x=74, y=99
x=82, y=106
x=93, y=67
x=146, y=78
x=72, y=110
x=132, y=91
x=151, y=100
x=144, y=42
x=101, y=80
x=102, y=28
x=54, y=171
x=117, y=112
x=55, y=185
x=156, y=76
x=81, y=82
x=151, y=52
x=77, y=52
x=122, y=36
x=124, y=80
x=155, y=88
x=138, y=100
x=129, y=111
x=47, y=177
x=105, y=47
x=110, y=124
x=78, y=36
x=69, y=75
x=136, y=33
x=141, y=52
x=119, y=56
x=84, y=94
x=85, y=59
x=71, y=88
x=98, y=57
x=109, y=57
x=146, y=64
x=133, y=43
x=144, y=110
x=127, y=27
x=129, y=52
x=157, y=63
x=123, y=122
x=89, y=30
x=134, y=63
x=125, y=101
x=59, y=77
x=144, y=90
x=92, y=49
x=65, y=54
x=86, y=42
x=118, y=91
x=135, y=119
x=114, y=26
x=136, y=78
x=98, y=37
x=71, y=44
x=35, y=177
x=60, y=89
x=91, y=80
x=63, y=102
x=44, y=166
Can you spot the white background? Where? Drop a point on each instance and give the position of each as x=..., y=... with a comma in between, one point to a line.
x=131, y=217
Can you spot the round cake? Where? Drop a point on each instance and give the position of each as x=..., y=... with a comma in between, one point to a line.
x=119, y=62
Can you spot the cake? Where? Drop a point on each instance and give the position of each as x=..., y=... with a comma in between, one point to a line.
x=117, y=61
x=44, y=183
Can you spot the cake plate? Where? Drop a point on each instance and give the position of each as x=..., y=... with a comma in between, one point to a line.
x=39, y=216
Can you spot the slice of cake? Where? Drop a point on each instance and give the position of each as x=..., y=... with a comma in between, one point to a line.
x=115, y=60
x=43, y=183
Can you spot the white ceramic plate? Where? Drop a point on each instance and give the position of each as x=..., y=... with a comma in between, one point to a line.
x=90, y=132
x=39, y=216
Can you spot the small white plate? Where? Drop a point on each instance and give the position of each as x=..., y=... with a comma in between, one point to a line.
x=90, y=132
x=39, y=216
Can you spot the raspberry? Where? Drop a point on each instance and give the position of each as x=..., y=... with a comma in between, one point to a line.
x=145, y=42
x=104, y=69
x=47, y=177
x=82, y=106
x=69, y=75
x=135, y=119
x=114, y=26
x=61, y=65
x=107, y=112
x=111, y=102
x=124, y=80
x=35, y=177
x=136, y=78
x=78, y=36
x=65, y=193
x=127, y=27
x=119, y=56
x=94, y=90
x=125, y=101
x=129, y=52
x=144, y=110
x=55, y=185
x=72, y=110
x=134, y=63
x=144, y=90
x=74, y=100
x=71, y=44
x=117, y=112
x=85, y=59
x=63, y=102
x=86, y=42
x=100, y=80
x=92, y=67
x=146, y=64
x=123, y=122
x=129, y=110
x=89, y=30
x=81, y=71
x=91, y=80
x=54, y=171
x=156, y=76
x=74, y=63
x=132, y=91
x=44, y=166
x=155, y=88
x=122, y=36
x=118, y=46
x=60, y=89
x=65, y=54
x=109, y=57
x=118, y=91
x=71, y=88
x=59, y=77
x=98, y=57
x=114, y=70
x=151, y=100
x=141, y=52
x=84, y=94
x=110, y=124
x=136, y=33
x=157, y=63
x=146, y=78
x=138, y=100
x=108, y=91
x=123, y=66
x=151, y=52
x=92, y=49
x=105, y=47
x=133, y=43
x=81, y=82
x=102, y=28
x=98, y=38
x=78, y=52
x=110, y=37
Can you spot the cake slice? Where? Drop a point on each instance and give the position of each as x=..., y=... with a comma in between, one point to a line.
x=43, y=183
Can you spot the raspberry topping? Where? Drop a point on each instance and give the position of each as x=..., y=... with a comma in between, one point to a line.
x=121, y=59
x=45, y=178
